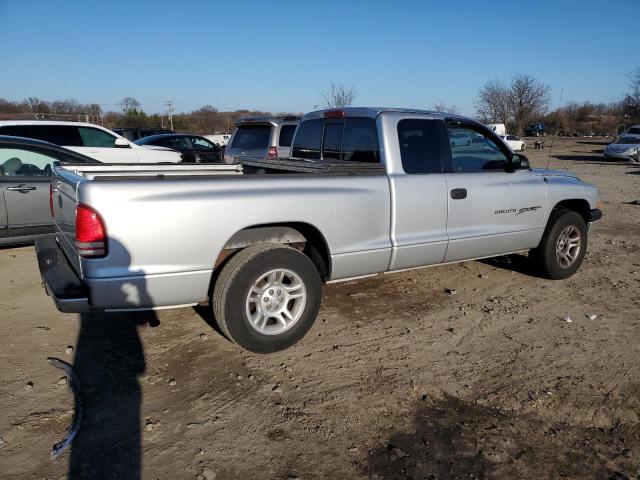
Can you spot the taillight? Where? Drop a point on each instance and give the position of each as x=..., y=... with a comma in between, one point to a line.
x=91, y=234
x=272, y=152
x=51, y=200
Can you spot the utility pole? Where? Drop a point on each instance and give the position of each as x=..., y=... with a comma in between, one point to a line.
x=170, y=110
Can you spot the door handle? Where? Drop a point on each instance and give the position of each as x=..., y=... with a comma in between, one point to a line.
x=459, y=193
x=22, y=188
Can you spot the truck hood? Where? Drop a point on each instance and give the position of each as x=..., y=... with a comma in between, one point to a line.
x=543, y=172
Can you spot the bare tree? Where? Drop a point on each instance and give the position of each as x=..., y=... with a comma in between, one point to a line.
x=493, y=103
x=528, y=98
x=520, y=102
x=339, y=95
x=632, y=98
x=129, y=105
x=440, y=106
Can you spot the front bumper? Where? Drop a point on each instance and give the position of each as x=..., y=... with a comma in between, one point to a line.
x=60, y=280
x=623, y=156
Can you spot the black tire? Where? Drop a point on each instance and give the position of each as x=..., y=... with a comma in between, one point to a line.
x=229, y=299
x=544, y=258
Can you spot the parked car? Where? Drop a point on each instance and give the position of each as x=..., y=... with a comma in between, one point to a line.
x=634, y=130
x=193, y=148
x=626, y=147
x=536, y=130
x=91, y=140
x=134, y=134
x=25, y=175
x=366, y=191
x=515, y=143
x=457, y=139
x=261, y=137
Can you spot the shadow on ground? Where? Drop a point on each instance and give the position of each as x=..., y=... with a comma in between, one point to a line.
x=109, y=360
x=451, y=438
x=515, y=263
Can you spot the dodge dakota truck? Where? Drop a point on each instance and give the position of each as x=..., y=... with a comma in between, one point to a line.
x=365, y=191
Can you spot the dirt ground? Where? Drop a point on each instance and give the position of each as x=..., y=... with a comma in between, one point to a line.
x=397, y=379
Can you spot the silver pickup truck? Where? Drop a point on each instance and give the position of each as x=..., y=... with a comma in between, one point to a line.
x=365, y=191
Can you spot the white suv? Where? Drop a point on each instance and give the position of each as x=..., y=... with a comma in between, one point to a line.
x=91, y=140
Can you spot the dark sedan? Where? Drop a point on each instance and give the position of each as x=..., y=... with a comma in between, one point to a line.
x=192, y=147
x=26, y=167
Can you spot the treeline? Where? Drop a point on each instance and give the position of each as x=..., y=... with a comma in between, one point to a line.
x=525, y=100
x=204, y=120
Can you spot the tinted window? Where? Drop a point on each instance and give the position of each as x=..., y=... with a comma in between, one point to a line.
x=634, y=130
x=92, y=137
x=308, y=140
x=64, y=135
x=360, y=140
x=252, y=136
x=15, y=130
x=15, y=162
x=179, y=143
x=512, y=137
x=475, y=156
x=332, y=140
x=420, y=145
x=286, y=135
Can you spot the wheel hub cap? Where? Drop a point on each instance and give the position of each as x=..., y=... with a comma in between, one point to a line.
x=568, y=246
x=276, y=301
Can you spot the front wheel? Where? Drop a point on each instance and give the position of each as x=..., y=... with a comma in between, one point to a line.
x=562, y=247
x=267, y=297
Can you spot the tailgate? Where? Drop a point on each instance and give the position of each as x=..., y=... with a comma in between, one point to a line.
x=63, y=202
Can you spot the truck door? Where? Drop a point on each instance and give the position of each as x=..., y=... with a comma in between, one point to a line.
x=25, y=186
x=491, y=211
x=419, y=192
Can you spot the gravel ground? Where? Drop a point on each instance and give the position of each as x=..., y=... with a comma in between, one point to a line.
x=397, y=378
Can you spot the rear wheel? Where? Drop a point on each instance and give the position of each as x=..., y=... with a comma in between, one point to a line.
x=267, y=297
x=562, y=247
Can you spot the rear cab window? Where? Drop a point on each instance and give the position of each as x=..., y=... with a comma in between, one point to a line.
x=252, y=137
x=353, y=139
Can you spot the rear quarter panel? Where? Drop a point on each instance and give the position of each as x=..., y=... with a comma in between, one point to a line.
x=171, y=232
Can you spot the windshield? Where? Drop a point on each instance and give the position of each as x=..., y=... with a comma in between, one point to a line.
x=628, y=140
x=634, y=130
x=252, y=136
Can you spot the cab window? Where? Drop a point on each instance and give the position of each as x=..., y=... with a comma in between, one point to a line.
x=308, y=140
x=360, y=140
x=420, y=145
x=473, y=151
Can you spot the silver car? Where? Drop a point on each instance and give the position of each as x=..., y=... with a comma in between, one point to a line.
x=25, y=175
x=627, y=148
x=261, y=137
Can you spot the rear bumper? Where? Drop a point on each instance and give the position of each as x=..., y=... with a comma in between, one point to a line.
x=60, y=280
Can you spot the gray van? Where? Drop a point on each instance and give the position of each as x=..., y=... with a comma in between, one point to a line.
x=261, y=137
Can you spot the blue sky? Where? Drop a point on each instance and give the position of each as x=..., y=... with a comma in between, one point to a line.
x=278, y=55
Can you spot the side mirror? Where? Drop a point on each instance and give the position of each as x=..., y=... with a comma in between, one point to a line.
x=122, y=143
x=519, y=162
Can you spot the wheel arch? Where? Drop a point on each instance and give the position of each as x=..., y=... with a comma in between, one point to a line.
x=578, y=205
x=299, y=235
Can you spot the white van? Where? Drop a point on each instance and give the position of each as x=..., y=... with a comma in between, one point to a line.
x=499, y=128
